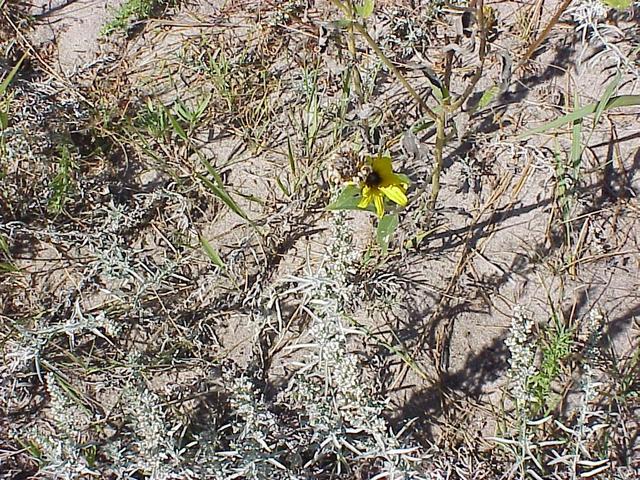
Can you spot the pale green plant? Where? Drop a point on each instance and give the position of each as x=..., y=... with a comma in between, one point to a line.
x=5, y=103
x=63, y=182
x=129, y=12
x=192, y=115
x=220, y=70
x=154, y=118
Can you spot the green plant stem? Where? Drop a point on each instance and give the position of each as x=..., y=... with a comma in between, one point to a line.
x=441, y=121
x=374, y=46
x=357, y=81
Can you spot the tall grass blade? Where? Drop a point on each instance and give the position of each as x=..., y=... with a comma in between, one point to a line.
x=291, y=157
x=606, y=96
x=177, y=127
x=218, y=189
x=9, y=78
x=576, y=142
x=212, y=253
x=615, y=102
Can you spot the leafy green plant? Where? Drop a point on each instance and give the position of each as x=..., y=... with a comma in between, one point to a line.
x=581, y=113
x=129, y=12
x=448, y=105
x=216, y=186
x=63, y=183
x=243, y=82
x=557, y=342
x=178, y=123
x=212, y=253
x=192, y=115
x=155, y=120
x=5, y=101
x=220, y=71
x=568, y=165
x=312, y=113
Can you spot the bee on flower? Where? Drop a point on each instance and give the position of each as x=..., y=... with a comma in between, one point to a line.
x=381, y=182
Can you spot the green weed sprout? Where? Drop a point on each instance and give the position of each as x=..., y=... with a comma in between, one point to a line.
x=129, y=12
x=5, y=101
x=62, y=184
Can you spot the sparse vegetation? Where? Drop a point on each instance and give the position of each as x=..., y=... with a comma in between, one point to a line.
x=131, y=12
x=62, y=183
x=338, y=239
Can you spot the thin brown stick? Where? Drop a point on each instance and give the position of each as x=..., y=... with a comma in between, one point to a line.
x=543, y=35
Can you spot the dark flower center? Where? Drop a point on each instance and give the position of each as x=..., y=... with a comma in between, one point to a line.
x=373, y=179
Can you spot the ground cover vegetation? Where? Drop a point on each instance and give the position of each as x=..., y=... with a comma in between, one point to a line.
x=305, y=239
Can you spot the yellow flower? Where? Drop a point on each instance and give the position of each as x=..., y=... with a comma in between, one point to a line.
x=382, y=182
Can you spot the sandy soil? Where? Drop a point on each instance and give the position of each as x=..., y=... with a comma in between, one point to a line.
x=497, y=239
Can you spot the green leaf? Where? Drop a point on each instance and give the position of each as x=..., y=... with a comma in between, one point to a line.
x=7, y=80
x=221, y=193
x=212, y=171
x=386, y=227
x=488, y=96
x=4, y=106
x=576, y=141
x=291, y=157
x=619, y=4
x=4, y=246
x=282, y=186
x=176, y=125
x=621, y=101
x=6, y=267
x=34, y=449
x=366, y=9
x=341, y=24
x=421, y=125
x=404, y=178
x=4, y=119
x=438, y=89
x=217, y=188
x=212, y=253
x=347, y=200
x=600, y=108
x=202, y=106
x=606, y=96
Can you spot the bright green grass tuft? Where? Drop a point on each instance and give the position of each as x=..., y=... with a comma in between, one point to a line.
x=557, y=346
x=63, y=183
x=131, y=11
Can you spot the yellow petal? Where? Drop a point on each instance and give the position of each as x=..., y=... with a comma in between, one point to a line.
x=396, y=194
x=379, y=201
x=382, y=166
x=366, y=198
